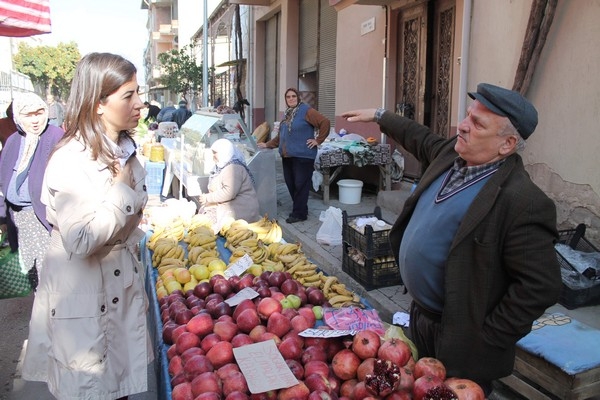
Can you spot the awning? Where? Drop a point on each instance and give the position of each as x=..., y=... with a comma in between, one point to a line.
x=232, y=63
x=20, y=18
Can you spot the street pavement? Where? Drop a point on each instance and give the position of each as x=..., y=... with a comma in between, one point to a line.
x=15, y=313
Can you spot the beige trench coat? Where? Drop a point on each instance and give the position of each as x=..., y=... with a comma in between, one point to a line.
x=88, y=335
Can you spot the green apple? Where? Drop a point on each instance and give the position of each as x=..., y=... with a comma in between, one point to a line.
x=318, y=311
x=255, y=269
x=295, y=300
x=286, y=303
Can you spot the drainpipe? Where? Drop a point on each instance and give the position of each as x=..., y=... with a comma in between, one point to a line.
x=384, y=80
x=205, y=58
x=250, y=65
x=464, y=60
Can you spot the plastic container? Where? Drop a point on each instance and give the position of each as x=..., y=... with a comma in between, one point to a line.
x=154, y=176
x=572, y=297
x=374, y=273
x=157, y=153
x=373, y=243
x=350, y=191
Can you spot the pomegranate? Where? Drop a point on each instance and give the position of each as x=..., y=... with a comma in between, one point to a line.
x=465, y=389
x=365, y=344
x=385, y=378
x=394, y=350
x=429, y=366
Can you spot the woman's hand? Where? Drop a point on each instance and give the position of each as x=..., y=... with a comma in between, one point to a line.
x=312, y=143
x=366, y=115
x=261, y=145
x=202, y=199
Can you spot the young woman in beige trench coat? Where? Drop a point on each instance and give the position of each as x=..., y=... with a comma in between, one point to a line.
x=88, y=337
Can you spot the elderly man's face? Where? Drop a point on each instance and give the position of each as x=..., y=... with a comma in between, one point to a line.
x=478, y=141
x=33, y=122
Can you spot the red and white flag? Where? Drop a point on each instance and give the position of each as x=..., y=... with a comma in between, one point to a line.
x=19, y=18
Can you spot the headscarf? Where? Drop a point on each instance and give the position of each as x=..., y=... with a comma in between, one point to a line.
x=290, y=112
x=25, y=103
x=227, y=153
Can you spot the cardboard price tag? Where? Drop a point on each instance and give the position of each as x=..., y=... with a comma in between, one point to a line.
x=263, y=367
x=245, y=293
x=326, y=333
x=238, y=267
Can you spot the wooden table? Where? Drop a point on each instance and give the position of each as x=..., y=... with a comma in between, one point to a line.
x=332, y=162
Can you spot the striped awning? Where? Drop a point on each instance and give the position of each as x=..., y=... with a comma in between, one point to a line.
x=20, y=18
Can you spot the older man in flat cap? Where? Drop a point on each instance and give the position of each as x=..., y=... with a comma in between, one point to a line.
x=475, y=240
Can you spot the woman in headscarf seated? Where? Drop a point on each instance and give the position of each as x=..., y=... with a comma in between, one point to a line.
x=231, y=192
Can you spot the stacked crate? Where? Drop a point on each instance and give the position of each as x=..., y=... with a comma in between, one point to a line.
x=368, y=256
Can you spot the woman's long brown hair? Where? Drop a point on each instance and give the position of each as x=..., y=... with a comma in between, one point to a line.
x=97, y=76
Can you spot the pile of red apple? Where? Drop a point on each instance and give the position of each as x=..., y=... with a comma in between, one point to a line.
x=202, y=330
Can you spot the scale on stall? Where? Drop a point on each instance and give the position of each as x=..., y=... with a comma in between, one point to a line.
x=189, y=159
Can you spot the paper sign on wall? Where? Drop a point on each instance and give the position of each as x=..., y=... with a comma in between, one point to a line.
x=263, y=367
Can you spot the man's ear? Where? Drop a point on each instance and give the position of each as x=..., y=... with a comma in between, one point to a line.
x=509, y=144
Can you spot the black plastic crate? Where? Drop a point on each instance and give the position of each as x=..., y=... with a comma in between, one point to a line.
x=375, y=273
x=570, y=297
x=371, y=243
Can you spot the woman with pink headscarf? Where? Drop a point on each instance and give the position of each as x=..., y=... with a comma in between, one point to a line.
x=22, y=164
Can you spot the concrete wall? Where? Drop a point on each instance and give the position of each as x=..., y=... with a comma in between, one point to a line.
x=562, y=154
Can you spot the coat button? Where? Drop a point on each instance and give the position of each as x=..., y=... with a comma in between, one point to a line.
x=117, y=272
x=128, y=208
x=102, y=308
x=135, y=269
x=145, y=188
x=53, y=312
x=115, y=300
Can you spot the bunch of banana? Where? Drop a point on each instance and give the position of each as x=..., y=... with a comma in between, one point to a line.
x=166, y=248
x=274, y=235
x=175, y=229
x=201, y=239
x=337, y=294
x=202, y=255
x=276, y=250
x=226, y=224
x=199, y=220
x=270, y=265
x=261, y=227
x=235, y=235
x=240, y=252
x=170, y=263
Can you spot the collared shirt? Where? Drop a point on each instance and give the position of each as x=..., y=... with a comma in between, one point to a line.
x=461, y=176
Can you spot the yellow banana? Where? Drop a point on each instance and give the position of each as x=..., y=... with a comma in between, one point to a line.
x=327, y=286
x=336, y=300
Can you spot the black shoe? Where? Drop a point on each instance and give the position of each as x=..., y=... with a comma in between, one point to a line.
x=292, y=220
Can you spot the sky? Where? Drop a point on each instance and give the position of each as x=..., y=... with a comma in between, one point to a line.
x=115, y=26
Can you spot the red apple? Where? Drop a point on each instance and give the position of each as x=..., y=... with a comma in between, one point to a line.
x=429, y=366
x=202, y=290
x=171, y=351
x=236, y=396
x=209, y=342
x=300, y=323
x=278, y=324
x=177, y=379
x=183, y=391
x=226, y=330
x=256, y=333
x=241, y=339
x=277, y=295
x=197, y=365
x=244, y=305
x=268, y=306
x=423, y=384
x=289, y=286
x=221, y=309
x=178, y=331
x=175, y=366
x=270, y=336
x=297, y=392
x=234, y=382
x=313, y=353
x=221, y=354
x=290, y=349
x=245, y=281
x=276, y=278
x=207, y=396
x=289, y=312
x=189, y=353
x=222, y=287
x=207, y=382
x=344, y=364
x=247, y=320
x=365, y=344
x=308, y=313
x=186, y=341
x=316, y=367
x=394, y=350
x=296, y=368
x=315, y=297
x=201, y=324
x=465, y=389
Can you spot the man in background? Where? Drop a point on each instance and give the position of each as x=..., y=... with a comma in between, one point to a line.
x=182, y=114
x=7, y=126
x=153, y=112
x=166, y=114
x=56, y=112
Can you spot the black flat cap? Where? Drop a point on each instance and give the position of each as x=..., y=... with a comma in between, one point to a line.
x=508, y=103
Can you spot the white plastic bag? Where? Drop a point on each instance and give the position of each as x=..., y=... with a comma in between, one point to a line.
x=330, y=232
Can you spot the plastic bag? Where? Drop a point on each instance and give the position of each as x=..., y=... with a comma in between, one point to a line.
x=330, y=232
x=13, y=282
x=317, y=180
x=353, y=318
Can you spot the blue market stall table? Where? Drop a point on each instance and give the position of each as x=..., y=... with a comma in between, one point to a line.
x=331, y=161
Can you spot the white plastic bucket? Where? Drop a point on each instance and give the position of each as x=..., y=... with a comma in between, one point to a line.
x=350, y=191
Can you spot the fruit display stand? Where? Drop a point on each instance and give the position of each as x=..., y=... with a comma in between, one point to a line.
x=189, y=159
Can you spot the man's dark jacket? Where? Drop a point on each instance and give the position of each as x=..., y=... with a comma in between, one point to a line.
x=501, y=271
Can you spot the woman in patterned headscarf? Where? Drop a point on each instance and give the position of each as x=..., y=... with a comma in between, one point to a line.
x=302, y=130
x=22, y=165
